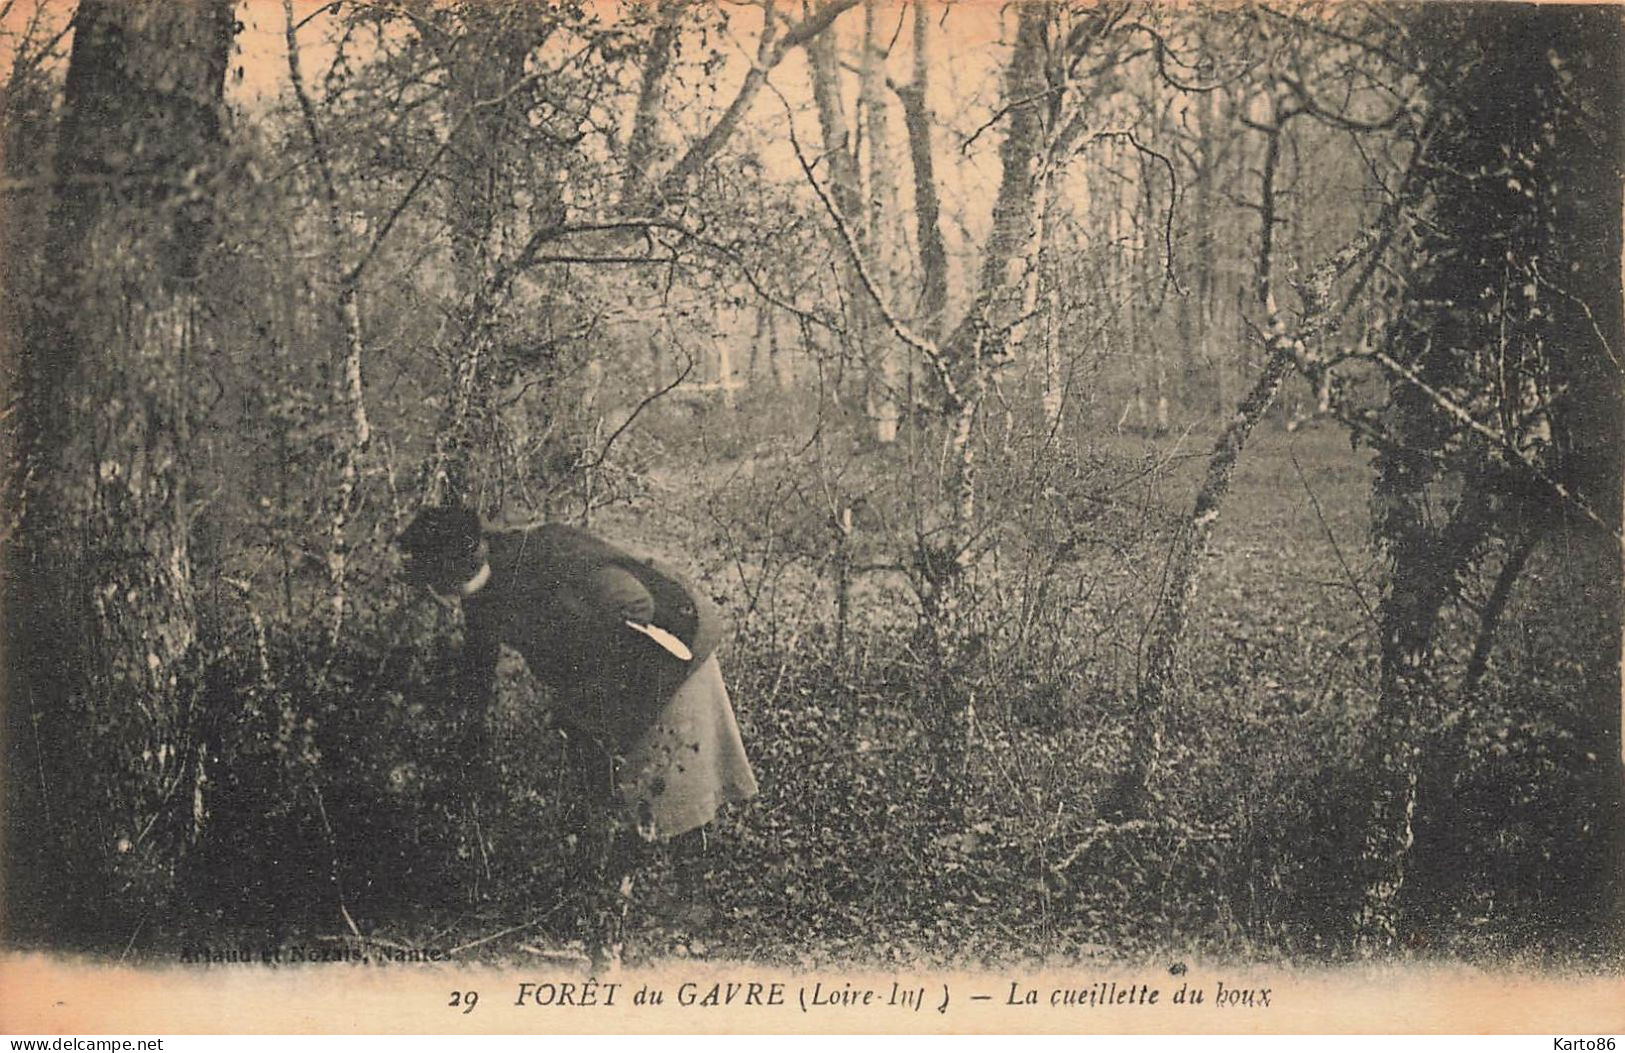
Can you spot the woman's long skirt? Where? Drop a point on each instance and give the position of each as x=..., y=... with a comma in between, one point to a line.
x=688, y=763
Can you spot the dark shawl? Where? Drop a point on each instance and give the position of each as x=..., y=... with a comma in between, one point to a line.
x=559, y=596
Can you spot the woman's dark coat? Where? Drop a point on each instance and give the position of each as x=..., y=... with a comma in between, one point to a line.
x=561, y=597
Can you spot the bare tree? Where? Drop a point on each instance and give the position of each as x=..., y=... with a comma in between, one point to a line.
x=107, y=607
x=1476, y=444
x=1283, y=348
x=883, y=224
x=643, y=144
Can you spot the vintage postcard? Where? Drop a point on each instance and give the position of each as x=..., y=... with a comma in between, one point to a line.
x=832, y=516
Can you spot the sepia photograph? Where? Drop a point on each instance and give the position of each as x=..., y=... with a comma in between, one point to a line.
x=870, y=515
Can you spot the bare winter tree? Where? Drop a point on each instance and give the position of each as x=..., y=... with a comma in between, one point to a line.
x=105, y=594
x=1503, y=391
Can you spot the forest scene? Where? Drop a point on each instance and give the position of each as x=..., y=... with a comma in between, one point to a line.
x=1159, y=466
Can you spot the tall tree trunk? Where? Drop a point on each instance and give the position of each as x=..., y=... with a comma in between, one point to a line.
x=1195, y=308
x=1593, y=419
x=883, y=219
x=1189, y=325
x=488, y=60
x=643, y=147
x=344, y=381
x=846, y=191
x=933, y=256
x=488, y=112
x=1049, y=292
x=1014, y=216
x=944, y=563
x=1425, y=561
x=106, y=624
x=779, y=360
x=1132, y=793
x=1434, y=445
x=771, y=48
x=1207, y=277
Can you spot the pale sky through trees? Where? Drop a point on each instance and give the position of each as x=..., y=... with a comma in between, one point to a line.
x=967, y=64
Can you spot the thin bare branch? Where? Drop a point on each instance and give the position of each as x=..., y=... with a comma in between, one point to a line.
x=431, y=165
x=1596, y=328
x=1314, y=109
x=319, y=12
x=1173, y=196
x=1163, y=52
x=928, y=349
x=1006, y=109
x=637, y=411
x=307, y=112
x=1458, y=413
x=770, y=52
x=1349, y=576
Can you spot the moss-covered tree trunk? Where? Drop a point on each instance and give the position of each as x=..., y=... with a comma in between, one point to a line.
x=1425, y=563
x=1522, y=186
x=104, y=618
